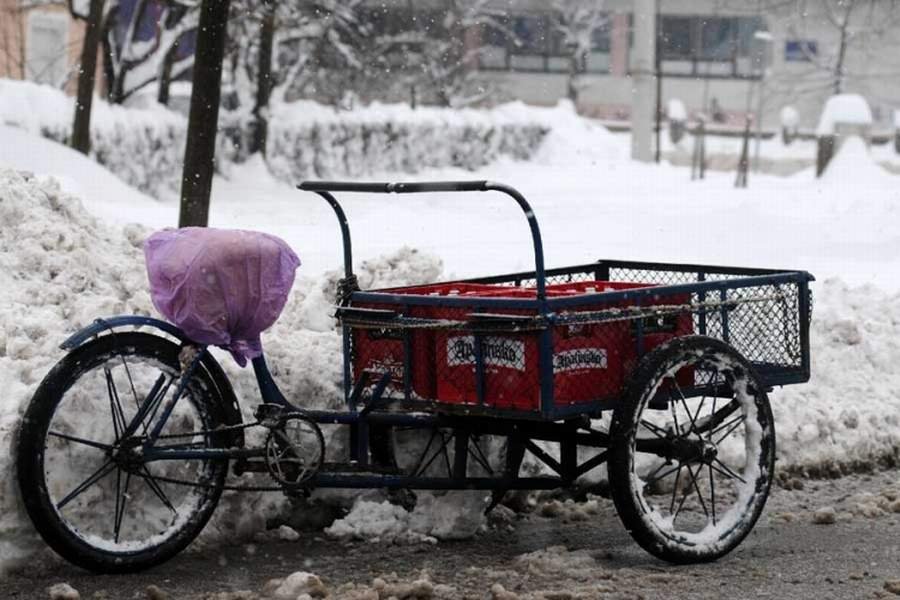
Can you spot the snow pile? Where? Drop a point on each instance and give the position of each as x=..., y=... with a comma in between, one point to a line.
x=854, y=162
x=843, y=109
x=143, y=147
x=453, y=515
x=848, y=416
x=573, y=138
x=60, y=268
x=101, y=192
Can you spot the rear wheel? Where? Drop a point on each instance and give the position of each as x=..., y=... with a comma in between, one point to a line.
x=693, y=448
x=84, y=483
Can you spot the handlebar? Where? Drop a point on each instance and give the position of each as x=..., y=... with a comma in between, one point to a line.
x=325, y=189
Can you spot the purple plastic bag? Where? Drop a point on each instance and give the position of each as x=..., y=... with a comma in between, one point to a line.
x=220, y=286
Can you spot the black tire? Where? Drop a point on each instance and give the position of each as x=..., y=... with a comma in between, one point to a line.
x=152, y=520
x=732, y=451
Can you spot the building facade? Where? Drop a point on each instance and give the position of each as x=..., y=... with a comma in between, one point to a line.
x=40, y=41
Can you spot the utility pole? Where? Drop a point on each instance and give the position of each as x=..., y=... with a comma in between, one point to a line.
x=642, y=76
x=657, y=64
x=203, y=119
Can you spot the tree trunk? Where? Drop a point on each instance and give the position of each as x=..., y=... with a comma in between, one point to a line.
x=165, y=75
x=842, y=51
x=260, y=128
x=203, y=119
x=81, y=127
x=572, y=83
x=839, y=65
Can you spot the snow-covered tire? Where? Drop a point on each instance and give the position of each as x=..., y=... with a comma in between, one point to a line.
x=158, y=518
x=728, y=451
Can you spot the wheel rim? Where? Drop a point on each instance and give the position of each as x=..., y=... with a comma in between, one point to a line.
x=95, y=481
x=712, y=484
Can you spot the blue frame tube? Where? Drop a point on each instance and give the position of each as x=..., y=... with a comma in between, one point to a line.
x=325, y=189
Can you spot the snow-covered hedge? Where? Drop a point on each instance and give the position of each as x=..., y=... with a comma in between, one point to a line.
x=145, y=147
x=308, y=140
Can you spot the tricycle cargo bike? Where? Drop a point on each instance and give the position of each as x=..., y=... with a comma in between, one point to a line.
x=658, y=371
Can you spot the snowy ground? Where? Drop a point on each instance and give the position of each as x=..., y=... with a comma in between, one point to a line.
x=59, y=268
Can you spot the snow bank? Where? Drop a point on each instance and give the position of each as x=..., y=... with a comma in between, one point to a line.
x=59, y=269
x=851, y=109
x=104, y=194
x=848, y=416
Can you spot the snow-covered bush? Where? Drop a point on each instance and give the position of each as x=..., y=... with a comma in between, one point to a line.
x=677, y=114
x=844, y=110
x=790, y=121
x=308, y=140
x=145, y=147
x=843, y=114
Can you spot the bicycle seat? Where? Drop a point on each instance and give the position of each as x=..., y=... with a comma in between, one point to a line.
x=220, y=286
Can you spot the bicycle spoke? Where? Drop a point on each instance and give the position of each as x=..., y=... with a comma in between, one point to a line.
x=137, y=403
x=154, y=487
x=684, y=497
x=697, y=488
x=120, y=505
x=726, y=470
x=650, y=479
x=99, y=474
x=687, y=409
x=654, y=429
x=675, y=488
x=712, y=493
x=154, y=403
x=79, y=440
x=737, y=422
x=115, y=406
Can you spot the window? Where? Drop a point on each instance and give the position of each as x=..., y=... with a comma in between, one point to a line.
x=675, y=38
x=700, y=46
x=800, y=50
x=530, y=43
x=46, y=58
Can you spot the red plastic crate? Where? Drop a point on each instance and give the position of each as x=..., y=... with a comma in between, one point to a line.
x=591, y=361
x=381, y=350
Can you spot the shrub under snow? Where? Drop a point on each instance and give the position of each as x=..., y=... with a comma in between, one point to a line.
x=145, y=147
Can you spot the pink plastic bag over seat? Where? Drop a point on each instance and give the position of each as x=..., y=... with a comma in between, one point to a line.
x=220, y=286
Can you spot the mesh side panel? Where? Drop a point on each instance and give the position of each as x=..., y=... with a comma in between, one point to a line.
x=764, y=326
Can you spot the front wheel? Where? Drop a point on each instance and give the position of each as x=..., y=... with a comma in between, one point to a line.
x=84, y=483
x=693, y=449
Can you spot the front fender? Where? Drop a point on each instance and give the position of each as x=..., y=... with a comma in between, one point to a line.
x=228, y=401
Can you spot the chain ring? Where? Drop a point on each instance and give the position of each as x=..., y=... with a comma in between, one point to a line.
x=294, y=451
